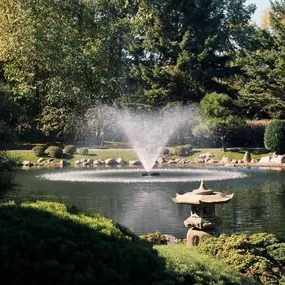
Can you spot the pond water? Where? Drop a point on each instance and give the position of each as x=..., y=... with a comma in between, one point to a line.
x=144, y=203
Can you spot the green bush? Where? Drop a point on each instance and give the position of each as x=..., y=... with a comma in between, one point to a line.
x=154, y=238
x=189, y=147
x=261, y=256
x=182, y=151
x=39, y=151
x=43, y=243
x=54, y=151
x=83, y=151
x=69, y=149
x=8, y=167
x=274, y=136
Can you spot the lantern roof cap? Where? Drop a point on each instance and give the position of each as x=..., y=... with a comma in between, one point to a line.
x=202, y=195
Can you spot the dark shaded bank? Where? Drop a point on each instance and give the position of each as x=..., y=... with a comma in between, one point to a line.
x=46, y=243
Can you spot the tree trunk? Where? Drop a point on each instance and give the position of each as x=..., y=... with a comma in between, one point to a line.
x=223, y=144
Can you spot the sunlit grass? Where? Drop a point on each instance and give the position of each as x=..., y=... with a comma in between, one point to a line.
x=130, y=154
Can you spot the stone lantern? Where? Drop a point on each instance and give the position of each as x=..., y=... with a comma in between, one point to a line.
x=203, y=221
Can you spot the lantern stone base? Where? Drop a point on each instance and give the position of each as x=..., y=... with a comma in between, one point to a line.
x=196, y=236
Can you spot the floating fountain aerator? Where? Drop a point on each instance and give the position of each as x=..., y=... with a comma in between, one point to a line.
x=203, y=221
x=149, y=174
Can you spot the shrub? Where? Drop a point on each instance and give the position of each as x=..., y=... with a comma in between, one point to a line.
x=8, y=166
x=189, y=147
x=83, y=151
x=39, y=151
x=54, y=151
x=154, y=238
x=182, y=151
x=274, y=137
x=69, y=149
x=260, y=256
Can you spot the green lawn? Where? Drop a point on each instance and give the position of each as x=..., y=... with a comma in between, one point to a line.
x=129, y=154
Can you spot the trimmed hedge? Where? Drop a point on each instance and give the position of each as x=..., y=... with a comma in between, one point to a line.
x=39, y=151
x=69, y=149
x=83, y=151
x=54, y=151
x=274, y=137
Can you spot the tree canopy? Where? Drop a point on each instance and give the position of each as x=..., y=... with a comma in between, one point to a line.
x=72, y=55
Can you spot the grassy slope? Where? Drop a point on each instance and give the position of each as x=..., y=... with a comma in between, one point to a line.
x=129, y=154
x=45, y=243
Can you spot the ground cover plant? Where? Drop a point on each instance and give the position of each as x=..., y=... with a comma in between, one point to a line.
x=261, y=256
x=192, y=267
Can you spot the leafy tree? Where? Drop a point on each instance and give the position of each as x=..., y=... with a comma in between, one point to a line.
x=63, y=54
x=221, y=114
x=59, y=123
x=181, y=49
x=274, y=136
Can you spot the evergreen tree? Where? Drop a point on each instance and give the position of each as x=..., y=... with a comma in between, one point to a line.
x=181, y=49
x=263, y=91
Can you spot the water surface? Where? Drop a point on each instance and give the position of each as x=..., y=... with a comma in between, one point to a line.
x=144, y=203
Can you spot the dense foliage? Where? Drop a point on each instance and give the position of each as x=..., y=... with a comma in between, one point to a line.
x=274, y=136
x=261, y=256
x=61, y=61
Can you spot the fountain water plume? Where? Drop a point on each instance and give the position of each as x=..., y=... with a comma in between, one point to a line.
x=149, y=132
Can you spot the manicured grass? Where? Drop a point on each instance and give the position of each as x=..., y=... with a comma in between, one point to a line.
x=130, y=154
x=193, y=267
x=103, y=154
x=233, y=153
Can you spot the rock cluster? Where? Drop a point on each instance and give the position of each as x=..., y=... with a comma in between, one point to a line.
x=45, y=162
x=204, y=158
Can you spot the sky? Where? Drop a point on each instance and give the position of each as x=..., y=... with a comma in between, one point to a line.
x=261, y=5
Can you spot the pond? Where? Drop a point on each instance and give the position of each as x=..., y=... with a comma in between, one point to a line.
x=144, y=203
